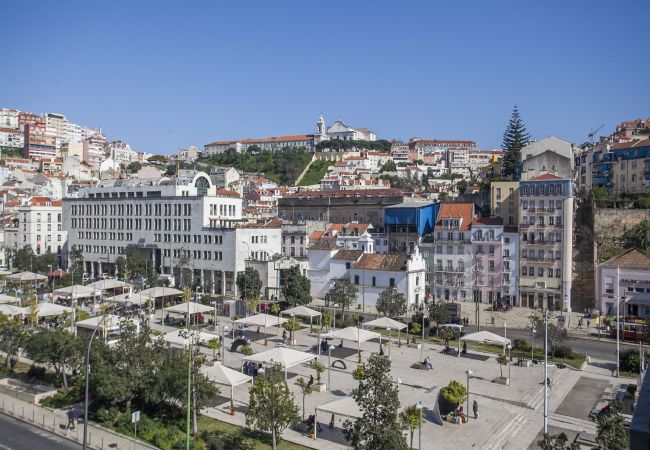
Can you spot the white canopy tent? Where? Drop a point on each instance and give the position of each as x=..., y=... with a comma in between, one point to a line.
x=23, y=277
x=221, y=374
x=76, y=291
x=135, y=299
x=109, y=284
x=387, y=324
x=285, y=357
x=484, y=337
x=345, y=406
x=303, y=311
x=12, y=311
x=183, y=308
x=181, y=338
x=159, y=291
x=110, y=324
x=8, y=299
x=261, y=320
x=51, y=309
x=355, y=334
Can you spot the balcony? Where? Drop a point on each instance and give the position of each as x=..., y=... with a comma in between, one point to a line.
x=506, y=257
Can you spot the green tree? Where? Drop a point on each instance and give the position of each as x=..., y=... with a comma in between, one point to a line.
x=557, y=442
x=291, y=326
x=76, y=262
x=600, y=193
x=134, y=166
x=391, y=303
x=57, y=349
x=295, y=287
x=305, y=390
x=612, y=433
x=502, y=360
x=12, y=337
x=120, y=266
x=342, y=294
x=379, y=428
x=249, y=284
x=455, y=393
x=514, y=139
x=272, y=406
x=389, y=166
x=438, y=313
x=556, y=335
x=24, y=258
x=44, y=262
x=411, y=417
x=319, y=368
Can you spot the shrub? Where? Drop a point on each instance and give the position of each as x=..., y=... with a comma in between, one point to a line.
x=36, y=373
x=521, y=345
x=247, y=350
x=62, y=398
x=455, y=393
x=564, y=352
x=629, y=361
x=216, y=440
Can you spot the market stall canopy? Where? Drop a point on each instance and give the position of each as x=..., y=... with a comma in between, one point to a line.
x=261, y=320
x=345, y=406
x=181, y=337
x=112, y=321
x=385, y=322
x=135, y=299
x=158, y=292
x=194, y=308
x=57, y=274
x=485, y=337
x=109, y=284
x=224, y=375
x=352, y=334
x=8, y=299
x=76, y=291
x=11, y=310
x=51, y=309
x=301, y=311
x=26, y=276
x=286, y=357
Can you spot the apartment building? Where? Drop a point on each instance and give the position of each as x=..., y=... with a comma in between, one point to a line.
x=40, y=227
x=623, y=169
x=504, y=201
x=510, y=265
x=546, y=240
x=487, y=265
x=39, y=140
x=179, y=223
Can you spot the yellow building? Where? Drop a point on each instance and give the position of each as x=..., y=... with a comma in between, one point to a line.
x=504, y=201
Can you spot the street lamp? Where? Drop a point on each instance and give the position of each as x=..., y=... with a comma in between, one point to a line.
x=418, y=406
x=546, y=371
x=509, y=347
x=223, y=344
x=469, y=374
x=329, y=367
x=388, y=329
x=92, y=336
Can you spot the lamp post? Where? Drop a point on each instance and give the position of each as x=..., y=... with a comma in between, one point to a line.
x=329, y=367
x=223, y=344
x=418, y=406
x=422, y=346
x=389, y=336
x=92, y=336
x=546, y=371
x=469, y=373
x=509, y=347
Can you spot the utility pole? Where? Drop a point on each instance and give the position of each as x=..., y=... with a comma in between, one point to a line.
x=546, y=371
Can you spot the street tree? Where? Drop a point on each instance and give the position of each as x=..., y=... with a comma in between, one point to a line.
x=24, y=258
x=134, y=166
x=120, y=267
x=379, y=427
x=249, y=284
x=557, y=442
x=514, y=139
x=342, y=294
x=556, y=336
x=57, y=349
x=391, y=302
x=12, y=337
x=411, y=417
x=438, y=313
x=305, y=390
x=295, y=287
x=612, y=433
x=272, y=406
x=76, y=262
x=45, y=262
x=291, y=326
x=502, y=360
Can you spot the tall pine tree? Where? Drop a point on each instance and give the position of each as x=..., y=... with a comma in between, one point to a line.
x=514, y=139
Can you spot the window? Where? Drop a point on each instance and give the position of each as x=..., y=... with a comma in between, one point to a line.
x=540, y=271
x=356, y=280
x=347, y=265
x=550, y=273
x=524, y=270
x=374, y=281
x=557, y=273
x=391, y=282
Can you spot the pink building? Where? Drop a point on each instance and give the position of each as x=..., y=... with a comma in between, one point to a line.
x=487, y=251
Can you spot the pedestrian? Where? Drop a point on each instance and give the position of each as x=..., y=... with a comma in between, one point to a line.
x=588, y=324
x=548, y=383
x=284, y=337
x=475, y=409
x=72, y=417
x=427, y=363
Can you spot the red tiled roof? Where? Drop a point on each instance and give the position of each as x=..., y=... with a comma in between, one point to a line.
x=456, y=211
x=226, y=193
x=631, y=259
x=489, y=221
x=389, y=263
x=42, y=201
x=348, y=254
x=546, y=176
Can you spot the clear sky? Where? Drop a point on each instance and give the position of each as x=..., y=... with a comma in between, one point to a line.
x=162, y=75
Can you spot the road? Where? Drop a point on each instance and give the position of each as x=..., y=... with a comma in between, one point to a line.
x=18, y=435
x=604, y=349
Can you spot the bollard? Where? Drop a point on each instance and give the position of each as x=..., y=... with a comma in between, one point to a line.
x=23, y=413
x=33, y=416
x=43, y=420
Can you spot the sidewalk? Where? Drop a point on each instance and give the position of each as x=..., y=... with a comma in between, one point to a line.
x=55, y=421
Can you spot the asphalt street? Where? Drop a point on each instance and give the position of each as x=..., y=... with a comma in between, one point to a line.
x=17, y=435
x=604, y=349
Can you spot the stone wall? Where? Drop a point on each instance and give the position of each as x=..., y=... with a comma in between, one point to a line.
x=611, y=223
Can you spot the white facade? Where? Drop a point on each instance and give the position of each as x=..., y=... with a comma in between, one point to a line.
x=340, y=130
x=40, y=226
x=11, y=138
x=9, y=118
x=550, y=155
x=511, y=265
x=176, y=222
x=624, y=279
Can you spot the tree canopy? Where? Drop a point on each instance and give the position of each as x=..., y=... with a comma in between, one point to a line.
x=391, y=303
x=514, y=139
x=612, y=433
x=295, y=287
x=342, y=294
x=249, y=284
x=438, y=313
x=57, y=349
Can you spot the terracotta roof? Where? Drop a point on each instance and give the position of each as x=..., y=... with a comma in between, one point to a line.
x=634, y=144
x=489, y=221
x=272, y=223
x=41, y=201
x=348, y=254
x=227, y=193
x=324, y=245
x=441, y=142
x=349, y=194
x=389, y=263
x=456, y=211
x=316, y=235
x=631, y=259
x=546, y=176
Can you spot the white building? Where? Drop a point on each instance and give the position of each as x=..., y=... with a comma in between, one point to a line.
x=121, y=153
x=176, y=222
x=9, y=118
x=369, y=272
x=11, y=138
x=624, y=279
x=40, y=226
x=548, y=155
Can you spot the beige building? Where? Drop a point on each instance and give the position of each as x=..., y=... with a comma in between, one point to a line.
x=504, y=201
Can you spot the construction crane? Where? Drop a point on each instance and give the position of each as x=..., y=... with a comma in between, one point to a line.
x=593, y=132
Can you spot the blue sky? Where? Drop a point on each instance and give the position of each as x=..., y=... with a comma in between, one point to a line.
x=162, y=75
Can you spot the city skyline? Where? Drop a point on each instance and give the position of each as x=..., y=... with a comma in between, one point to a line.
x=255, y=71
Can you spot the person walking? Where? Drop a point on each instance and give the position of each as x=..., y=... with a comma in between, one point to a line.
x=548, y=383
x=475, y=409
x=284, y=337
x=72, y=417
x=427, y=363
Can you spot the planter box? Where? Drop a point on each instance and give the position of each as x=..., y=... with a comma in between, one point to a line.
x=417, y=346
x=292, y=341
x=322, y=387
x=502, y=380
